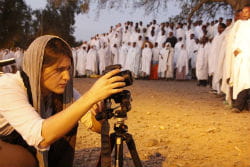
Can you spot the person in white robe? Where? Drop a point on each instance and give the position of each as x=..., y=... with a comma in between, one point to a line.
x=91, y=61
x=241, y=67
x=7, y=54
x=133, y=60
x=161, y=38
x=82, y=52
x=146, y=60
x=180, y=33
x=241, y=62
x=182, y=63
x=170, y=62
x=177, y=49
x=155, y=61
x=102, y=52
x=123, y=52
x=226, y=87
x=114, y=54
x=202, y=64
x=140, y=41
x=217, y=79
x=163, y=58
x=18, y=58
x=193, y=56
x=152, y=36
x=214, y=56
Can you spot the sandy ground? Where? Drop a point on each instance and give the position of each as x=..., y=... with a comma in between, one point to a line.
x=176, y=124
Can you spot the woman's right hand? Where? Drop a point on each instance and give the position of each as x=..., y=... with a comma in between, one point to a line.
x=107, y=85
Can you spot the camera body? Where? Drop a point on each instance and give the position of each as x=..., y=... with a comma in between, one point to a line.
x=127, y=75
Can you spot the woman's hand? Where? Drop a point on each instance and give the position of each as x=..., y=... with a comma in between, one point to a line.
x=106, y=86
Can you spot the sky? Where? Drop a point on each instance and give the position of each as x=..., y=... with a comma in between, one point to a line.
x=88, y=25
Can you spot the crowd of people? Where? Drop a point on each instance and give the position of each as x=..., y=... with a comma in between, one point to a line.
x=207, y=52
x=40, y=110
x=215, y=53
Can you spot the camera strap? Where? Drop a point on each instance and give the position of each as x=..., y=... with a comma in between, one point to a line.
x=105, y=156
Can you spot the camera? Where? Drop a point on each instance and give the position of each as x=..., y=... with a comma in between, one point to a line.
x=123, y=98
x=127, y=75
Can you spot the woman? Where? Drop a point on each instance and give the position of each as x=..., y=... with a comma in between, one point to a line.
x=38, y=118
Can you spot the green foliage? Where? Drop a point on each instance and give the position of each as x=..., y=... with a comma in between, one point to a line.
x=57, y=20
x=14, y=28
x=20, y=25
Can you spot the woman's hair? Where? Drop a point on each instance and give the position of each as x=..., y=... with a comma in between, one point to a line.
x=54, y=50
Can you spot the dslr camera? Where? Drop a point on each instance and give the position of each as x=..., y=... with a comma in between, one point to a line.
x=127, y=75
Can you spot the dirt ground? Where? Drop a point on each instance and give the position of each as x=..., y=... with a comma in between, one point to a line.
x=175, y=124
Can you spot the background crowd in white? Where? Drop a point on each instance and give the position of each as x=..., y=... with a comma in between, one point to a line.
x=217, y=50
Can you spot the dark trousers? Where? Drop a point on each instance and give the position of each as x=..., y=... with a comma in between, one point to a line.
x=243, y=100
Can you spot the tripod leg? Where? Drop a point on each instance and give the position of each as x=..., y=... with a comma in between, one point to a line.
x=119, y=152
x=132, y=149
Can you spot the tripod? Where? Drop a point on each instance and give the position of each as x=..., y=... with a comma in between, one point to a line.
x=117, y=138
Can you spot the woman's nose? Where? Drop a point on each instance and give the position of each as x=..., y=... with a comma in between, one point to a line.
x=66, y=75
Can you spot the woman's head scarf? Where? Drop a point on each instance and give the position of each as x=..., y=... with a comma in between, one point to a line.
x=32, y=66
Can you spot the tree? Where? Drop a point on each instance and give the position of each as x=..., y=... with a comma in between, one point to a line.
x=57, y=20
x=15, y=17
x=189, y=8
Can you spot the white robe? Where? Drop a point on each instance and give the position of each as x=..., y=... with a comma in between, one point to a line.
x=133, y=60
x=123, y=52
x=114, y=55
x=241, y=69
x=229, y=57
x=201, y=64
x=102, y=52
x=161, y=39
x=163, y=58
x=146, y=60
x=214, y=54
x=156, y=53
x=19, y=59
x=182, y=60
x=91, y=61
x=170, y=64
x=221, y=59
x=177, y=49
x=81, y=61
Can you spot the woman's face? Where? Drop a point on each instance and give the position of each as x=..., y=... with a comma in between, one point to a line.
x=55, y=77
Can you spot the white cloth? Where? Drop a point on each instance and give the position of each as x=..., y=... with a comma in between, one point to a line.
x=201, y=64
x=133, y=60
x=123, y=51
x=102, y=52
x=17, y=113
x=91, y=61
x=146, y=60
x=163, y=58
x=81, y=61
x=182, y=60
x=114, y=55
x=170, y=63
x=156, y=53
x=241, y=69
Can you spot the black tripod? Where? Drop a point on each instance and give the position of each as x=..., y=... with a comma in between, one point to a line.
x=117, y=138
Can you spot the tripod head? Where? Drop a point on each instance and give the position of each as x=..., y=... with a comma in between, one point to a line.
x=124, y=99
